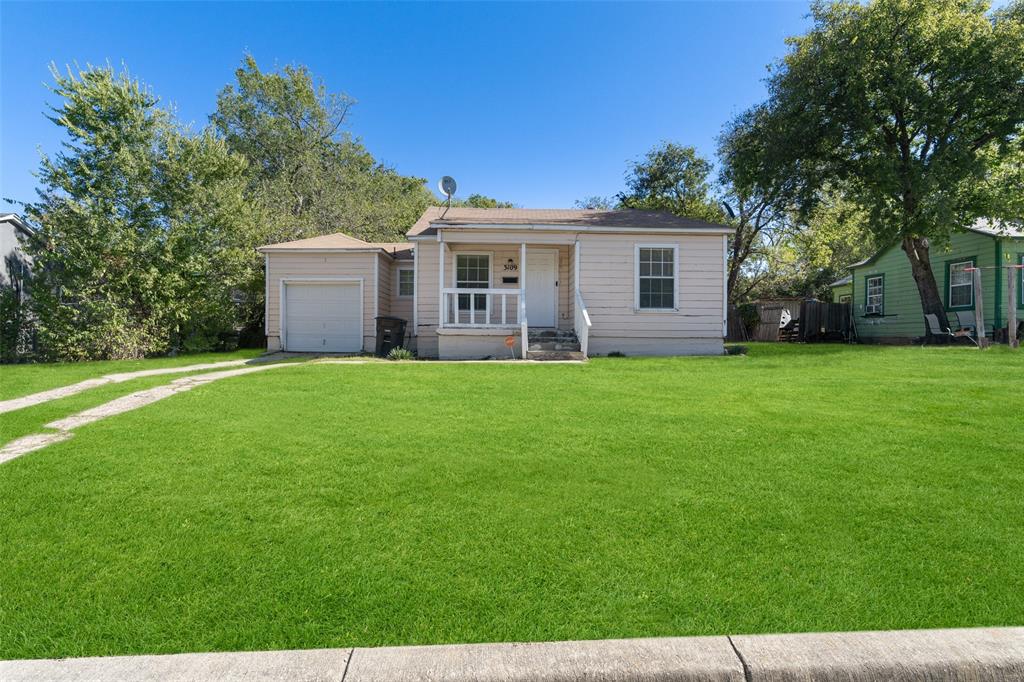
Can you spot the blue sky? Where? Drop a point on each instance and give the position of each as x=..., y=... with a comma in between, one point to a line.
x=539, y=104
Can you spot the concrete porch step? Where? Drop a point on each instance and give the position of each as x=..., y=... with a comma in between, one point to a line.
x=551, y=334
x=555, y=355
x=554, y=345
x=553, y=340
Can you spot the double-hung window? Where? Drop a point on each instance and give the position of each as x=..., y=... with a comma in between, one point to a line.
x=406, y=282
x=656, y=276
x=874, y=295
x=1020, y=283
x=961, y=285
x=473, y=271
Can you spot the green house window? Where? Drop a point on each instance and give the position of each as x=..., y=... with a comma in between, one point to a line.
x=1020, y=282
x=961, y=284
x=874, y=295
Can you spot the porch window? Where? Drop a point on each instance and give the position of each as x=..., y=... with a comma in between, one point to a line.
x=406, y=282
x=961, y=285
x=874, y=295
x=656, y=277
x=473, y=271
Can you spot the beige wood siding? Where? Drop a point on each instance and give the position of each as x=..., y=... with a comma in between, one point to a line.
x=320, y=265
x=500, y=255
x=607, y=281
x=426, y=296
x=608, y=285
x=401, y=306
x=383, y=286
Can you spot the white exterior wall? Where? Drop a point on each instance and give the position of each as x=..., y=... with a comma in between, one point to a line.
x=426, y=298
x=321, y=266
x=401, y=306
x=608, y=285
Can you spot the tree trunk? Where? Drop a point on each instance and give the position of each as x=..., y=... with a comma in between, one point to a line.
x=916, y=249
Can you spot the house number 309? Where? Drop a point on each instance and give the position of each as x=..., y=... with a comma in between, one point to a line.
x=510, y=266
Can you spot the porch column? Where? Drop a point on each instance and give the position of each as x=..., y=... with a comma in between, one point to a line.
x=524, y=335
x=441, y=310
x=576, y=268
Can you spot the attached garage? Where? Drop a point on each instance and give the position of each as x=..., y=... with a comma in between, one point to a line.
x=324, y=293
x=322, y=317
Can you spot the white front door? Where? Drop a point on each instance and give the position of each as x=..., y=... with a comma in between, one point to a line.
x=323, y=317
x=541, y=287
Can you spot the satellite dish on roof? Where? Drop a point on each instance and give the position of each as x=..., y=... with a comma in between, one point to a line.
x=447, y=186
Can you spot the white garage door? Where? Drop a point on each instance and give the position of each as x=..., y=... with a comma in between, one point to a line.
x=324, y=317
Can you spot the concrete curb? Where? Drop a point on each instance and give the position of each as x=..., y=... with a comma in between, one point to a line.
x=681, y=659
x=974, y=655
x=311, y=665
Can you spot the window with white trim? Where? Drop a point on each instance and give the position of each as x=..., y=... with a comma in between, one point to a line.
x=874, y=296
x=472, y=271
x=406, y=282
x=1020, y=288
x=656, y=278
x=961, y=285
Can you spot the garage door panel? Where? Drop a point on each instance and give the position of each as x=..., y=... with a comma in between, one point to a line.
x=325, y=317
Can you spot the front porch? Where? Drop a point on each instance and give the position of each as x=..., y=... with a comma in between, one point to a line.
x=490, y=292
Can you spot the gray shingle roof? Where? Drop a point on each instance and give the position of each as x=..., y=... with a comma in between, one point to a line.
x=437, y=216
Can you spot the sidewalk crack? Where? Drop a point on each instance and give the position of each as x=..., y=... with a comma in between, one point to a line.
x=747, y=675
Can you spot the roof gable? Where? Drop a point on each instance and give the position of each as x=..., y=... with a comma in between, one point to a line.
x=341, y=242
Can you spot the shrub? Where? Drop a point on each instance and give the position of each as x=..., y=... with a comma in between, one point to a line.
x=400, y=353
x=616, y=354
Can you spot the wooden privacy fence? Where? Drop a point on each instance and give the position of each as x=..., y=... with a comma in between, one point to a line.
x=769, y=317
x=821, y=321
x=811, y=321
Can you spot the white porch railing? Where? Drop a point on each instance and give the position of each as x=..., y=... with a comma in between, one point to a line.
x=495, y=311
x=582, y=324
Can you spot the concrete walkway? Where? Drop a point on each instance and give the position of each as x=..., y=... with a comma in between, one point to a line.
x=116, y=378
x=975, y=655
x=132, y=401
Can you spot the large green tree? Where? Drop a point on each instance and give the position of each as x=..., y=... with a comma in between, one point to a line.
x=482, y=201
x=673, y=178
x=759, y=204
x=910, y=107
x=307, y=174
x=138, y=221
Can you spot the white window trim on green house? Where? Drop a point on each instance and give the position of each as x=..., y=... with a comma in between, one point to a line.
x=878, y=307
x=958, y=268
x=1020, y=283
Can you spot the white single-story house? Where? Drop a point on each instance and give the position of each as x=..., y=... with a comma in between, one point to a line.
x=570, y=282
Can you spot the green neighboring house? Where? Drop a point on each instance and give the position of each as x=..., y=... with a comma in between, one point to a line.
x=887, y=307
x=842, y=290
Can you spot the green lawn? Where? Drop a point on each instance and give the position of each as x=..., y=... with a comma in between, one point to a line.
x=19, y=380
x=793, y=489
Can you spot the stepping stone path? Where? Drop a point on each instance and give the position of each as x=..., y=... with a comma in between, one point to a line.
x=65, y=391
x=132, y=401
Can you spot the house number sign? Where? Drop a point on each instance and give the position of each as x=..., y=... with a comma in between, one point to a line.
x=510, y=265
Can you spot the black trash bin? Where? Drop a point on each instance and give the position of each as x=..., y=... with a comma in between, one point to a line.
x=390, y=334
